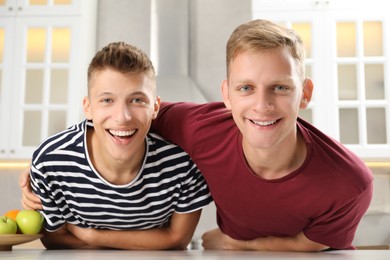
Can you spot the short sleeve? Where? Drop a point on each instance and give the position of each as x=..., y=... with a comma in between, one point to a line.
x=337, y=227
x=51, y=211
x=194, y=193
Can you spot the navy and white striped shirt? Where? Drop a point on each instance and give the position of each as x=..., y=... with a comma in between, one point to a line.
x=72, y=191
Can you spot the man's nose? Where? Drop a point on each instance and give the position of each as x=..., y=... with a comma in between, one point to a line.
x=122, y=113
x=263, y=102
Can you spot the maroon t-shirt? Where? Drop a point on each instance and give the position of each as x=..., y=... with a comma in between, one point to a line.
x=325, y=198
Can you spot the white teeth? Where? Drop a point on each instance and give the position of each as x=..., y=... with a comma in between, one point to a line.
x=264, y=123
x=122, y=133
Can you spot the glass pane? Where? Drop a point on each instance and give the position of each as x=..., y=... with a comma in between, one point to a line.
x=373, y=39
x=374, y=81
x=306, y=114
x=376, y=126
x=32, y=128
x=1, y=80
x=1, y=58
x=34, y=86
x=347, y=81
x=1, y=44
x=62, y=2
x=349, y=126
x=57, y=122
x=304, y=31
x=59, y=86
x=38, y=2
x=346, y=39
x=36, y=43
x=60, y=45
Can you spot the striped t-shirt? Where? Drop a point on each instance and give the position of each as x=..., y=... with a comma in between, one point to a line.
x=72, y=191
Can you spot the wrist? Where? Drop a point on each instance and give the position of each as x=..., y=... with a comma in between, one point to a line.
x=236, y=244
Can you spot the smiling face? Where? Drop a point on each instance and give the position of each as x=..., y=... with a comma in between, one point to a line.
x=264, y=92
x=122, y=107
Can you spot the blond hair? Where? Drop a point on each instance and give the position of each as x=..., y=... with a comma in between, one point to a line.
x=258, y=35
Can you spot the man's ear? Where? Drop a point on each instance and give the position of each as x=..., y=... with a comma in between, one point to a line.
x=87, y=108
x=156, y=107
x=307, y=90
x=225, y=93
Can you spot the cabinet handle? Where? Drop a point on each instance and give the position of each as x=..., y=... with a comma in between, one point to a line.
x=20, y=8
x=318, y=2
x=10, y=8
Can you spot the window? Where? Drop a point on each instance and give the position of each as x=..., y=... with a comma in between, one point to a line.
x=346, y=58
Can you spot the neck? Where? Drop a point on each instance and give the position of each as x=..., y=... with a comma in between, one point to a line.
x=118, y=172
x=278, y=161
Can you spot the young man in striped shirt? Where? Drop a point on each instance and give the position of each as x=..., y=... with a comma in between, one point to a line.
x=108, y=183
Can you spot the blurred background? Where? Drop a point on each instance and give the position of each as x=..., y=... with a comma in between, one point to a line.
x=46, y=45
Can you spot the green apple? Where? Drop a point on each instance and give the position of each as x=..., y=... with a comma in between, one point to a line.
x=29, y=221
x=7, y=225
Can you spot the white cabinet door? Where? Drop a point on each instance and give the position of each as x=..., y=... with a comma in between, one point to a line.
x=6, y=77
x=43, y=68
x=48, y=7
x=40, y=7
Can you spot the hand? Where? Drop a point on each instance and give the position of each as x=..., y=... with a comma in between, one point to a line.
x=29, y=199
x=215, y=239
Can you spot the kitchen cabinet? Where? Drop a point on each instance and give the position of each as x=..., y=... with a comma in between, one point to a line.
x=45, y=47
x=346, y=58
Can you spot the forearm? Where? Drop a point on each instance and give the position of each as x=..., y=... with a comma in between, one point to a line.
x=62, y=239
x=216, y=240
x=153, y=239
x=294, y=243
x=175, y=236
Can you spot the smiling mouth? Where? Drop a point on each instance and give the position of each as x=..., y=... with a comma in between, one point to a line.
x=264, y=123
x=122, y=134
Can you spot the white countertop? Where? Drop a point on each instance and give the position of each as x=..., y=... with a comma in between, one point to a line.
x=35, y=250
x=31, y=253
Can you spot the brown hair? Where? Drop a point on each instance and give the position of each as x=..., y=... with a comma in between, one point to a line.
x=122, y=57
x=260, y=35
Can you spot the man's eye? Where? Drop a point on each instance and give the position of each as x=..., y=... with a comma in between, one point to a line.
x=137, y=101
x=106, y=100
x=280, y=88
x=245, y=88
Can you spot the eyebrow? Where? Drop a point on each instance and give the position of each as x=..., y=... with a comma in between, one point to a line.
x=283, y=80
x=277, y=80
x=139, y=93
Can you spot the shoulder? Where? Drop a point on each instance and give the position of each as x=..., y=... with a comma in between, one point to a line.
x=70, y=139
x=168, y=159
x=160, y=147
x=331, y=157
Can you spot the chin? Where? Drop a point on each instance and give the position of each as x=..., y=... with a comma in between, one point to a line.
x=122, y=156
